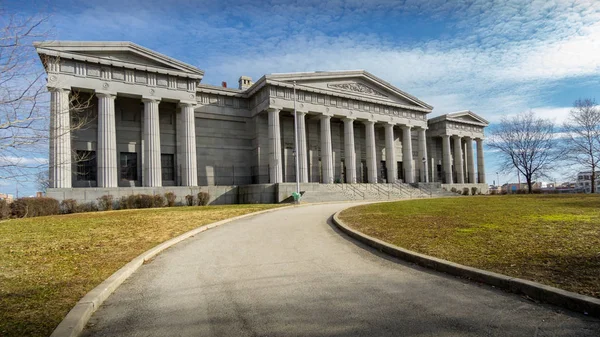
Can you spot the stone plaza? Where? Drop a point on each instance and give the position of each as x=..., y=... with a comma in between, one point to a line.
x=153, y=127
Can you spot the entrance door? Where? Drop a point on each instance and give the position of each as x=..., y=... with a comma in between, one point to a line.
x=383, y=171
x=400, y=171
x=363, y=169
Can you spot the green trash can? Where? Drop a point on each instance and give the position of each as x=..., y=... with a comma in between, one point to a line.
x=296, y=197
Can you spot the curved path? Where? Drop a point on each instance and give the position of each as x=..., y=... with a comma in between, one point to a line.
x=290, y=273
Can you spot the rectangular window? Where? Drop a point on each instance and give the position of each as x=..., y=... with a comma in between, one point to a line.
x=129, y=166
x=167, y=166
x=130, y=116
x=86, y=165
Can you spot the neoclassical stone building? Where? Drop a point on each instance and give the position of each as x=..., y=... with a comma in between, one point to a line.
x=154, y=127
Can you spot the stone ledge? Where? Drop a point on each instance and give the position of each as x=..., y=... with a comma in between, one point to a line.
x=566, y=299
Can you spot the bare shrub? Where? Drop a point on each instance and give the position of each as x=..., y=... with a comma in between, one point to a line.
x=203, y=198
x=171, y=197
x=32, y=207
x=189, y=199
x=68, y=206
x=106, y=202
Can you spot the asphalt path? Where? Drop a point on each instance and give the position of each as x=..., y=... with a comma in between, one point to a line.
x=291, y=273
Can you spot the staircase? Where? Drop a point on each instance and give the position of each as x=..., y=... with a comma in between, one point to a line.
x=349, y=192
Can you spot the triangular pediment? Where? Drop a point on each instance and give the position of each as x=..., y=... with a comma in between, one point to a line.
x=127, y=54
x=467, y=117
x=359, y=83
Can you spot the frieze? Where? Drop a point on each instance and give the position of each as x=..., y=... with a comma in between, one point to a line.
x=356, y=87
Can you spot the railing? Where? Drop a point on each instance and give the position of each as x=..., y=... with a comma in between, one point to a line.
x=355, y=190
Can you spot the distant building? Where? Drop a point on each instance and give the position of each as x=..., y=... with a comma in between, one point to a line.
x=584, y=181
x=515, y=187
x=7, y=197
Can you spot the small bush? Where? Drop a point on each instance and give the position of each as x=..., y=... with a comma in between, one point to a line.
x=4, y=209
x=31, y=207
x=465, y=191
x=145, y=201
x=159, y=200
x=68, y=206
x=87, y=207
x=453, y=189
x=171, y=197
x=493, y=192
x=189, y=200
x=474, y=190
x=106, y=202
x=203, y=198
x=503, y=192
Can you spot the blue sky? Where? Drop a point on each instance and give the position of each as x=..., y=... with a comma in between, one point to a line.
x=492, y=57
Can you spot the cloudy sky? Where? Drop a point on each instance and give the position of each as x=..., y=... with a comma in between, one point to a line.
x=492, y=57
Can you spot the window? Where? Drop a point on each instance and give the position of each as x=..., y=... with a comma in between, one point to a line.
x=86, y=165
x=129, y=166
x=167, y=166
x=130, y=116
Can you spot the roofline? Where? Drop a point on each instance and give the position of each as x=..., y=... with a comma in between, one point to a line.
x=451, y=115
x=350, y=73
x=86, y=45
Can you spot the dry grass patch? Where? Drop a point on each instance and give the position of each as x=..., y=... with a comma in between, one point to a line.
x=554, y=240
x=47, y=264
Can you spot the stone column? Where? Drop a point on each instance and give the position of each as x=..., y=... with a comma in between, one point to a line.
x=326, y=151
x=480, y=162
x=152, y=164
x=371, y=158
x=447, y=159
x=390, y=153
x=470, y=161
x=422, y=160
x=59, y=172
x=107, y=141
x=189, y=164
x=302, y=153
x=458, y=160
x=407, y=162
x=275, y=169
x=349, y=152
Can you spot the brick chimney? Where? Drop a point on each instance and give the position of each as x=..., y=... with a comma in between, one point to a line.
x=245, y=82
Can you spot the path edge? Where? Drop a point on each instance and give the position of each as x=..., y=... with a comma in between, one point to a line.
x=77, y=318
x=576, y=302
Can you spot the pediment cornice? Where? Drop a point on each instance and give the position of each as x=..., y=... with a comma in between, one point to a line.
x=84, y=52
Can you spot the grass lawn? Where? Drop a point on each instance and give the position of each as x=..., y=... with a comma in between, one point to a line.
x=554, y=240
x=47, y=264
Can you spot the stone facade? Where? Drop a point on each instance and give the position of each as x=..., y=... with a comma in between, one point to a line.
x=154, y=126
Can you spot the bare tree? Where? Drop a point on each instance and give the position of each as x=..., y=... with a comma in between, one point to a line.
x=582, y=136
x=527, y=143
x=24, y=101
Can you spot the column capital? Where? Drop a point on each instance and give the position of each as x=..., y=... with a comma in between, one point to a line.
x=106, y=94
x=479, y=139
x=273, y=110
x=457, y=137
x=150, y=99
x=405, y=127
x=325, y=116
x=301, y=112
x=349, y=119
x=187, y=103
x=368, y=122
x=184, y=104
x=58, y=88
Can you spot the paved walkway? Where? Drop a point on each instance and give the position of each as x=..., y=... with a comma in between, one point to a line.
x=290, y=273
